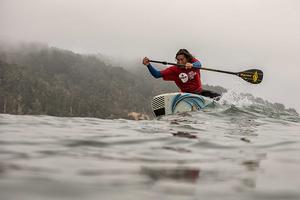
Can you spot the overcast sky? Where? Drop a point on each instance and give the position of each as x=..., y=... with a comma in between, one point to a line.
x=232, y=35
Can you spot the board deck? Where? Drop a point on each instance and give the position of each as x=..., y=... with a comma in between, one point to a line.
x=172, y=103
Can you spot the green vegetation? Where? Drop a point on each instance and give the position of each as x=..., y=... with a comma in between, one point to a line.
x=39, y=80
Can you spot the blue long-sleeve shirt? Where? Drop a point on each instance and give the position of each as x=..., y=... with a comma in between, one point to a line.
x=197, y=65
x=156, y=73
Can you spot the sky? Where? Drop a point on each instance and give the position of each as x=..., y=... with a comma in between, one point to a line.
x=232, y=35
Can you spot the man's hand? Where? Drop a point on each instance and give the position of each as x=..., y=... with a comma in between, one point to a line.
x=146, y=61
x=188, y=65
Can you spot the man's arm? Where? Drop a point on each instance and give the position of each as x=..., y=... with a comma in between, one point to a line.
x=197, y=64
x=154, y=72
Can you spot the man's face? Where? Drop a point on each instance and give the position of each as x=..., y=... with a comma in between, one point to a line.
x=181, y=59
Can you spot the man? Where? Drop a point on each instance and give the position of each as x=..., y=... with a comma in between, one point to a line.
x=188, y=78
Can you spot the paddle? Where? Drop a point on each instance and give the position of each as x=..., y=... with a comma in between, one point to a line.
x=254, y=76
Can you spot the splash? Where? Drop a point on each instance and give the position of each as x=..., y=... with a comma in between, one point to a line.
x=237, y=103
x=233, y=97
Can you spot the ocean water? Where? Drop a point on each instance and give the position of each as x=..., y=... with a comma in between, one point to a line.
x=241, y=150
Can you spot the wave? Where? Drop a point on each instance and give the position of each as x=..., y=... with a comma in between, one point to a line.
x=239, y=105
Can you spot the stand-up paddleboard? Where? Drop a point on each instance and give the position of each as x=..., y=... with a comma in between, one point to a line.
x=172, y=103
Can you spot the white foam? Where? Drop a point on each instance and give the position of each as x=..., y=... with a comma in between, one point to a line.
x=236, y=98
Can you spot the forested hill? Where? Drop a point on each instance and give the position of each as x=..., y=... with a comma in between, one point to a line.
x=37, y=79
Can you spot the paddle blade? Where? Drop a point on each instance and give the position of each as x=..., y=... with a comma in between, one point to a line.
x=254, y=76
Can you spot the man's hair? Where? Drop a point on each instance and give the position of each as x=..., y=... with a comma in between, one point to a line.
x=186, y=53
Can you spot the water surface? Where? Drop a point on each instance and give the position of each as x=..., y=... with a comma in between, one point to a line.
x=224, y=152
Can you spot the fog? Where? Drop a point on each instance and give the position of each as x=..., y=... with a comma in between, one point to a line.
x=233, y=35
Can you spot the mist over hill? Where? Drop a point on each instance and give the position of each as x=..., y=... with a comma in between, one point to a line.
x=42, y=80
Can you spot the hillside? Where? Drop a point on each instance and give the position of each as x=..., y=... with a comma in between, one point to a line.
x=37, y=79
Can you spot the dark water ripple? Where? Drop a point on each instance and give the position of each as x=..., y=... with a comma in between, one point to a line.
x=227, y=152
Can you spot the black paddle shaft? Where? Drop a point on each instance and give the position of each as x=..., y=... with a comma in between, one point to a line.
x=254, y=76
x=203, y=68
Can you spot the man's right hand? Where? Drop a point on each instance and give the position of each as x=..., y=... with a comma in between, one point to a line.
x=146, y=61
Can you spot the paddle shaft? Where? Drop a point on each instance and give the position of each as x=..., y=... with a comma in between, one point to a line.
x=202, y=68
x=254, y=76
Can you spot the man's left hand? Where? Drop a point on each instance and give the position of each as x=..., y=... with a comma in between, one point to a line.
x=188, y=65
